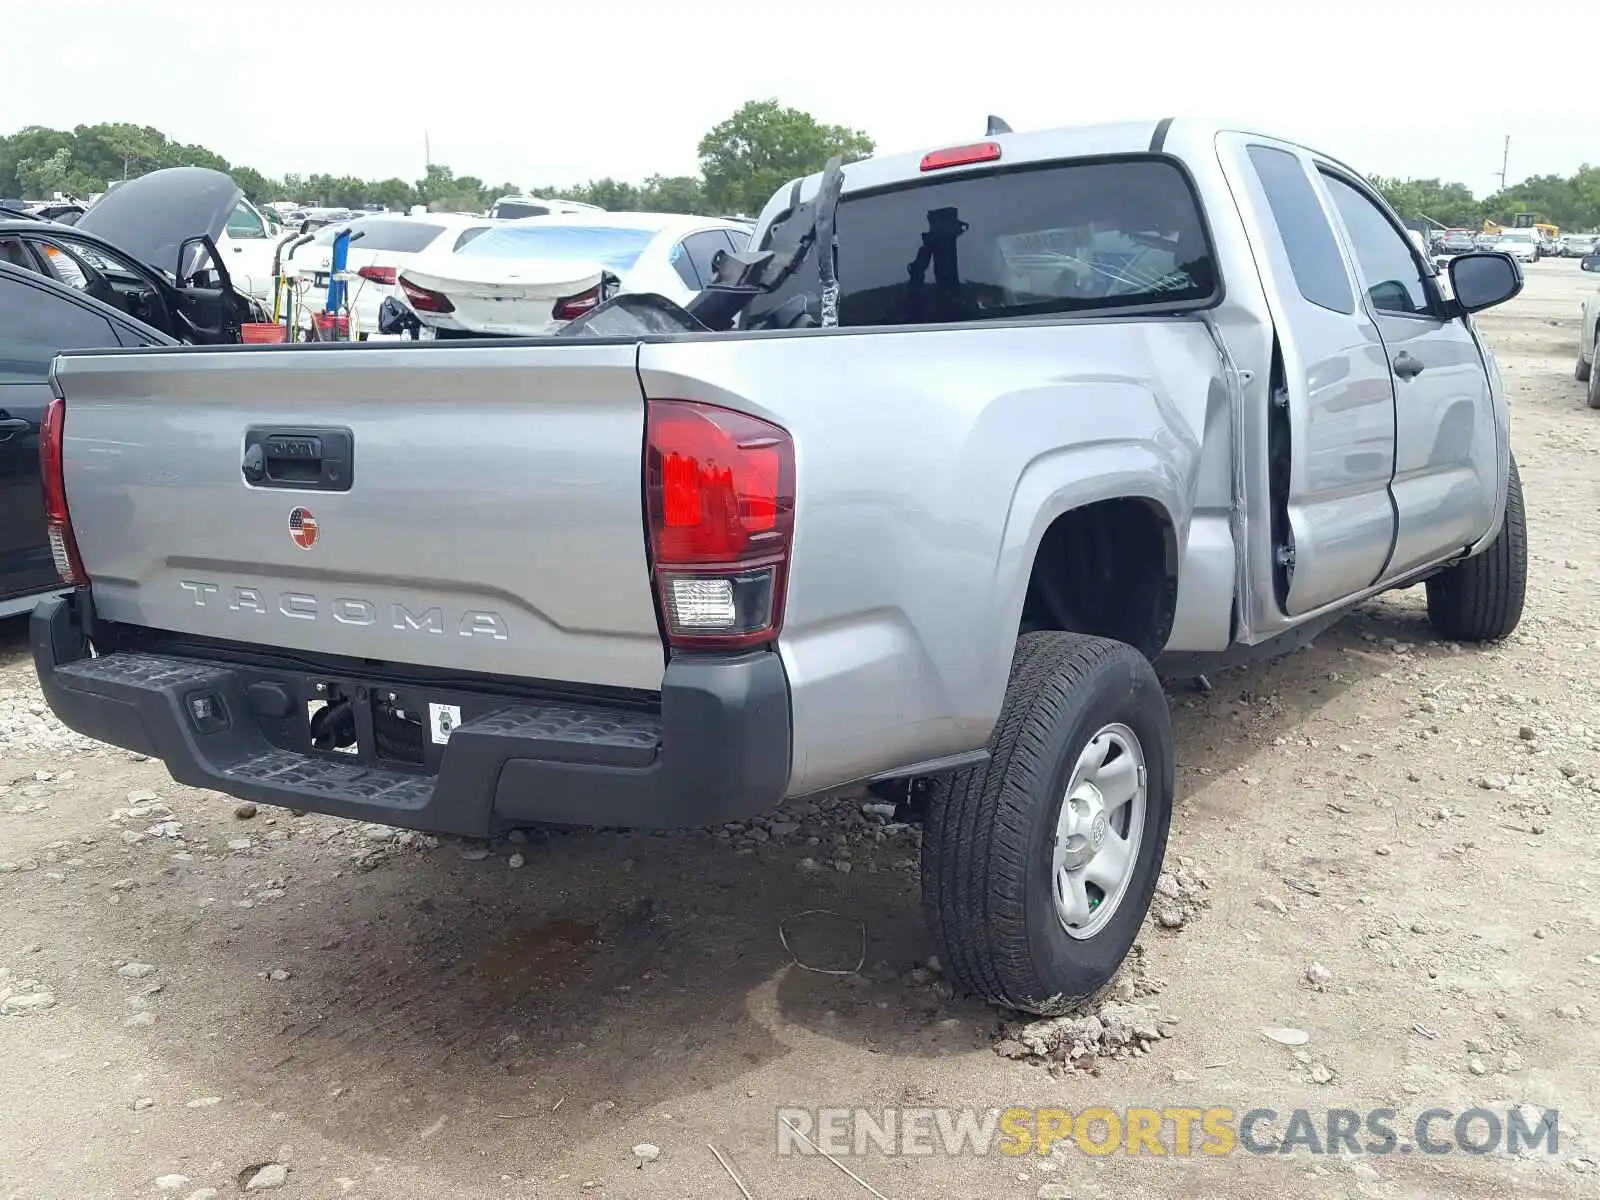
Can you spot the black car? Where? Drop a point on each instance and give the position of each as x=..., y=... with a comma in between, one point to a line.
x=148, y=249
x=200, y=311
x=1457, y=241
x=38, y=318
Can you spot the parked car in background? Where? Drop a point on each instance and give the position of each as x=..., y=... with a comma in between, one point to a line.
x=1457, y=241
x=514, y=208
x=1183, y=389
x=39, y=317
x=530, y=277
x=380, y=246
x=1577, y=245
x=1589, y=329
x=161, y=217
x=199, y=305
x=316, y=218
x=65, y=212
x=1521, y=244
x=1485, y=241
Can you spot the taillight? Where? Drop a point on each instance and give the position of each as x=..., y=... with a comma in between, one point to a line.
x=572, y=307
x=961, y=156
x=719, y=487
x=63, y=546
x=383, y=275
x=425, y=299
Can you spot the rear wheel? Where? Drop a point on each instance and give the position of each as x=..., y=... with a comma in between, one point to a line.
x=1594, y=379
x=1580, y=370
x=1038, y=867
x=1480, y=599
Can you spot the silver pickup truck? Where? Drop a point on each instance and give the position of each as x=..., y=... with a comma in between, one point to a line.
x=1054, y=405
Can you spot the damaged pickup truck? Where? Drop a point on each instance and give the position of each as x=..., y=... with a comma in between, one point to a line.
x=993, y=427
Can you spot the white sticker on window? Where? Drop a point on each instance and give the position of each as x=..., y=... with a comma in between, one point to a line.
x=442, y=720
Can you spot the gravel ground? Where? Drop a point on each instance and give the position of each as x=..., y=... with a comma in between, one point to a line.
x=1384, y=854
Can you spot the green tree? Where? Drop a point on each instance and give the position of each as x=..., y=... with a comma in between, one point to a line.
x=257, y=186
x=33, y=143
x=744, y=160
x=608, y=193
x=1570, y=201
x=673, y=194
x=393, y=193
x=763, y=146
x=1450, y=204
x=43, y=177
x=125, y=150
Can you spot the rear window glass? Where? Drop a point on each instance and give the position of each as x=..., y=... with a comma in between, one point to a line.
x=512, y=210
x=1037, y=241
x=614, y=249
x=396, y=237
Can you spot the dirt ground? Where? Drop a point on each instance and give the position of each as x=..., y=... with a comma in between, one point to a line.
x=382, y=1017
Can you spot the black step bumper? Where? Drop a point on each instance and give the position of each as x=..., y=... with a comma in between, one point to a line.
x=717, y=749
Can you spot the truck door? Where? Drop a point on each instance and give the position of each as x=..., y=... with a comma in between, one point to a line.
x=1447, y=462
x=1332, y=431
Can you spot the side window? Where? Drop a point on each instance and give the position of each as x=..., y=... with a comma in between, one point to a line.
x=64, y=264
x=702, y=248
x=128, y=337
x=739, y=239
x=36, y=323
x=1388, y=262
x=1308, y=241
x=467, y=236
x=244, y=223
x=14, y=253
x=678, y=256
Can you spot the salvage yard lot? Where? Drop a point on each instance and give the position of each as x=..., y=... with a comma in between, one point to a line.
x=384, y=1015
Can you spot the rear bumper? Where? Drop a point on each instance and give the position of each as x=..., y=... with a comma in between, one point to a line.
x=718, y=748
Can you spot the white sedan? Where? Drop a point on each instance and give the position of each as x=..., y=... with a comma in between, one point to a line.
x=386, y=242
x=530, y=277
x=1521, y=244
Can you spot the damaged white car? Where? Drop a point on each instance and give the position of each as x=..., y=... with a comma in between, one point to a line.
x=528, y=278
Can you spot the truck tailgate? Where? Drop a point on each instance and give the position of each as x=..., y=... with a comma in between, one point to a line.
x=490, y=517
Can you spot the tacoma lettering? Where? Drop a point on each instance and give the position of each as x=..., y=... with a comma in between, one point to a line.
x=346, y=610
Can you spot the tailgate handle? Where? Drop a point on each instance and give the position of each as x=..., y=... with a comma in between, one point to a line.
x=317, y=460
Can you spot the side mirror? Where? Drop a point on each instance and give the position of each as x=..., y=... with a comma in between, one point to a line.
x=1480, y=281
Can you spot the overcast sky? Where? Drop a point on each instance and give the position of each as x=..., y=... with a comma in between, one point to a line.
x=544, y=92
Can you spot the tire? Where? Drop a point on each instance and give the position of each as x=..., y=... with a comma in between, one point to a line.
x=1481, y=598
x=1594, y=385
x=1580, y=372
x=990, y=836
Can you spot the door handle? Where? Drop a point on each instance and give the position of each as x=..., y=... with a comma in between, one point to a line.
x=12, y=426
x=307, y=459
x=1407, y=367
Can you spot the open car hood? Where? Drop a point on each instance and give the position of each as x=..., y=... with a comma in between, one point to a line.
x=152, y=216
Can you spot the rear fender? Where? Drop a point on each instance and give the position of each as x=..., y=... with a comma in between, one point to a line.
x=1056, y=483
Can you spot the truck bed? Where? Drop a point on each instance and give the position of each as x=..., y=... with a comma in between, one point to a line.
x=489, y=518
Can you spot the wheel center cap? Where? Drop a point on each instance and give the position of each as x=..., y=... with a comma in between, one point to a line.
x=1098, y=828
